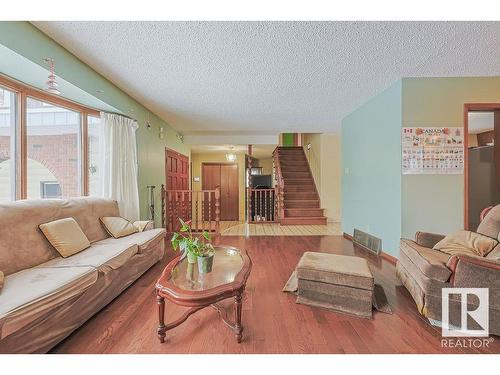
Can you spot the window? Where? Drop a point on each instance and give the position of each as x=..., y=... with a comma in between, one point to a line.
x=95, y=154
x=50, y=189
x=53, y=149
x=7, y=145
x=50, y=147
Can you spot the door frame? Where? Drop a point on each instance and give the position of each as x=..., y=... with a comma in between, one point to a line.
x=471, y=107
x=238, y=179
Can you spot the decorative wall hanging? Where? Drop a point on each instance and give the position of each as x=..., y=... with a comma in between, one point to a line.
x=432, y=150
x=52, y=85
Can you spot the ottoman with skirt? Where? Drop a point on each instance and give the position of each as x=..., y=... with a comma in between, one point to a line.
x=337, y=282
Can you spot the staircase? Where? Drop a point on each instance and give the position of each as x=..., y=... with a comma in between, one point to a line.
x=300, y=200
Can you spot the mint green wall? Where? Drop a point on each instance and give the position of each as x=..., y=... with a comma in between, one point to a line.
x=31, y=44
x=436, y=202
x=371, y=167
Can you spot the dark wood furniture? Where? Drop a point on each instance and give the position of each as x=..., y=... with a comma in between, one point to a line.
x=181, y=284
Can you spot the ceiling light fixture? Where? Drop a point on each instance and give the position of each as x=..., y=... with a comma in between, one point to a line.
x=51, y=83
x=231, y=156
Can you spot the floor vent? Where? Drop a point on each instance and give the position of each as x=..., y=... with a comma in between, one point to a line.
x=368, y=241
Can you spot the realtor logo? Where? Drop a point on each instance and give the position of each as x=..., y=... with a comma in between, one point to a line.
x=477, y=313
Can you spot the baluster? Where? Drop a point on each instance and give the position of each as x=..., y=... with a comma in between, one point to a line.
x=190, y=197
x=162, y=205
x=197, y=196
x=265, y=205
x=217, y=211
x=183, y=208
x=210, y=211
x=169, y=221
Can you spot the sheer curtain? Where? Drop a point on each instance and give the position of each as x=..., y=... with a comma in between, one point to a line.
x=119, y=163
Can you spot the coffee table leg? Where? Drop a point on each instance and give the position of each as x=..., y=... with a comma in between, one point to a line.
x=237, y=316
x=161, y=315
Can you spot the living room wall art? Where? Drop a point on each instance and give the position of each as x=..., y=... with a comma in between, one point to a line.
x=432, y=150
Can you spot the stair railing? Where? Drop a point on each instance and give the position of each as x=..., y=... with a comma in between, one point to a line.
x=280, y=187
x=199, y=207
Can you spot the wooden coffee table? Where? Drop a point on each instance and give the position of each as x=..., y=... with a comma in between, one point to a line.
x=180, y=283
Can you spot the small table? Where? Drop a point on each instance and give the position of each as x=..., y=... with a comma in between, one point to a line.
x=182, y=284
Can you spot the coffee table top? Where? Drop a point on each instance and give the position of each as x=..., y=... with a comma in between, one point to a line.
x=182, y=281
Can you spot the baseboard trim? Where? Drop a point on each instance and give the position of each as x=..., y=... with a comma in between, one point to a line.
x=383, y=254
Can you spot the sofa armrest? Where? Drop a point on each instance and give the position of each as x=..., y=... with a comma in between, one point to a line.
x=427, y=239
x=476, y=272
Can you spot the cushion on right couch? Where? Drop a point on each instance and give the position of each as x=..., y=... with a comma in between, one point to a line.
x=465, y=242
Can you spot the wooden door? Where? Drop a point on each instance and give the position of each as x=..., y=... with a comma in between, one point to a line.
x=176, y=170
x=224, y=177
x=177, y=178
x=229, y=192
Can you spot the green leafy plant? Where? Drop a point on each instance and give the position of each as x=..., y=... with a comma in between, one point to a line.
x=185, y=241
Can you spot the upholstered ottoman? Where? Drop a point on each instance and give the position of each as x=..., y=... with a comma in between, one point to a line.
x=336, y=282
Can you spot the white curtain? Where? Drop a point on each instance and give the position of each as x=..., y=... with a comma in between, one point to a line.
x=119, y=163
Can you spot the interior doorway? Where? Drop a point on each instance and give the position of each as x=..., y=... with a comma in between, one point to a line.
x=482, y=160
x=225, y=177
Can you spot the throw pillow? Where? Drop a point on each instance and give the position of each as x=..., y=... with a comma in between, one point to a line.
x=143, y=225
x=118, y=226
x=467, y=243
x=66, y=236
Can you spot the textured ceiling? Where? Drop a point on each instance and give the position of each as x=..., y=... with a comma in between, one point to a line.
x=270, y=77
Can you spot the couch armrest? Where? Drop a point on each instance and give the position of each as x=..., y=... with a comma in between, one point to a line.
x=427, y=239
x=476, y=272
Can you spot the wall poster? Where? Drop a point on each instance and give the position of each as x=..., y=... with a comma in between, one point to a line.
x=432, y=150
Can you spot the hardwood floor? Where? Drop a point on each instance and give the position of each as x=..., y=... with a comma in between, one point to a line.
x=272, y=322
x=235, y=228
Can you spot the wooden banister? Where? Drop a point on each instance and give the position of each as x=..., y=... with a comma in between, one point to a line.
x=280, y=186
x=200, y=207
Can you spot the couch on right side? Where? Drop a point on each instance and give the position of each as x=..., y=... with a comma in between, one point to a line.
x=425, y=271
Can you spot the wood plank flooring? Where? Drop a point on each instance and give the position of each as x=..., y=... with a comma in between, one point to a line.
x=235, y=228
x=272, y=321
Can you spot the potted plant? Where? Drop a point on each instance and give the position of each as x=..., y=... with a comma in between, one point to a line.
x=191, y=245
x=206, y=258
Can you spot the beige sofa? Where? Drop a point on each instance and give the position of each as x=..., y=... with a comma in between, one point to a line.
x=425, y=271
x=45, y=297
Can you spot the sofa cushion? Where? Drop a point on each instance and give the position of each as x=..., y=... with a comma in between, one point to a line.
x=117, y=226
x=22, y=244
x=144, y=240
x=432, y=263
x=467, y=243
x=103, y=255
x=335, y=269
x=40, y=286
x=490, y=226
x=66, y=236
x=1, y=280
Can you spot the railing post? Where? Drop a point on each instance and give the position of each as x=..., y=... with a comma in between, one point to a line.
x=162, y=194
x=217, y=211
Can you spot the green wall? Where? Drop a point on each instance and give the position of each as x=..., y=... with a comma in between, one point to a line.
x=371, y=167
x=31, y=44
x=436, y=202
x=288, y=139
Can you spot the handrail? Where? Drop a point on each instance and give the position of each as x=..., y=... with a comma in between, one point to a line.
x=280, y=186
x=201, y=207
x=263, y=205
x=314, y=166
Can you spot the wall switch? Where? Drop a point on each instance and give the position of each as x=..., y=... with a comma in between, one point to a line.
x=346, y=170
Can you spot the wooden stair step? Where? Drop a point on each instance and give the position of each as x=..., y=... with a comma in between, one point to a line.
x=302, y=203
x=301, y=195
x=303, y=212
x=320, y=220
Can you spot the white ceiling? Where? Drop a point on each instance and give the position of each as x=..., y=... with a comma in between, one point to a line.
x=271, y=77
